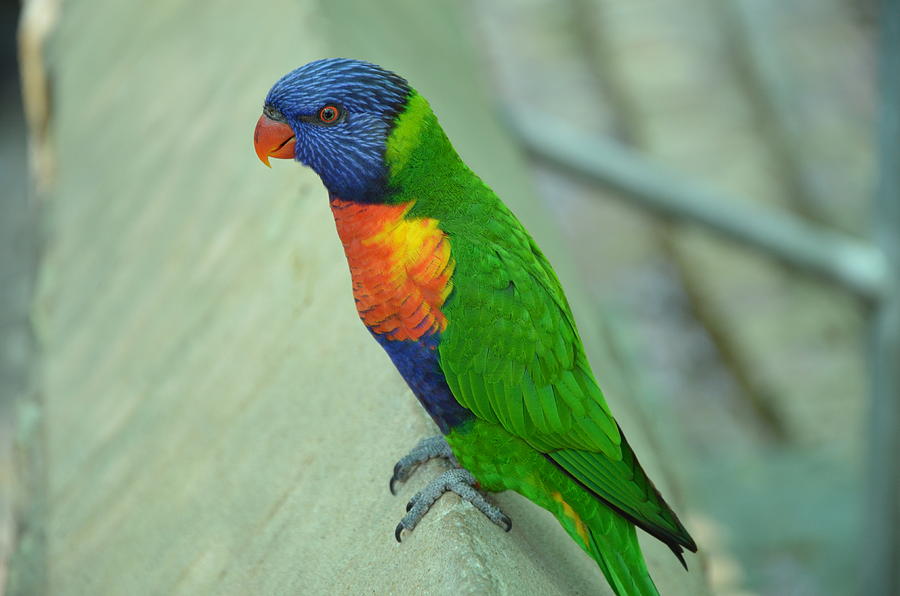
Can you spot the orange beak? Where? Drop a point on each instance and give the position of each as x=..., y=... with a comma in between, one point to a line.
x=273, y=139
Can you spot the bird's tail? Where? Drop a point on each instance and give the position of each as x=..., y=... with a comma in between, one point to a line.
x=614, y=545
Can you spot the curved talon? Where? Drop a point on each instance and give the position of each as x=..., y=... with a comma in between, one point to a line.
x=394, y=479
x=505, y=519
x=398, y=531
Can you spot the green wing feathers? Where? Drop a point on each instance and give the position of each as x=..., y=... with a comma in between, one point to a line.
x=624, y=485
x=529, y=373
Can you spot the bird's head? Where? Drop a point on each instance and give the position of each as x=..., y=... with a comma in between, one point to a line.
x=335, y=116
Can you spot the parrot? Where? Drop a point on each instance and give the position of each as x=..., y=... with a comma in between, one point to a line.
x=471, y=313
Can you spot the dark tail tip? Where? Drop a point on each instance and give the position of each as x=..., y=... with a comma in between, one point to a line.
x=679, y=554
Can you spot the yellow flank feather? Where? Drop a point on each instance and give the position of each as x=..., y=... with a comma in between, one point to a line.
x=570, y=513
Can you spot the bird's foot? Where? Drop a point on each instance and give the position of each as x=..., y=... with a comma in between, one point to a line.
x=460, y=481
x=427, y=449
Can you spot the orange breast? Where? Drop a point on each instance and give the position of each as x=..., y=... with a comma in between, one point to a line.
x=401, y=268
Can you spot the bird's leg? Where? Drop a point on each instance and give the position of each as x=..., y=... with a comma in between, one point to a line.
x=427, y=449
x=457, y=480
x=460, y=481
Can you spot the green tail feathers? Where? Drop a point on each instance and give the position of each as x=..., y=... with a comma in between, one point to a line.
x=619, y=556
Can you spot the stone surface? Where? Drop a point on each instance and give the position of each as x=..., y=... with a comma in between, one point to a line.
x=213, y=417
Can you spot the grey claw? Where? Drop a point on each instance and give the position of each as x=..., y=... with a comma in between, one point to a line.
x=426, y=449
x=393, y=481
x=459, y=481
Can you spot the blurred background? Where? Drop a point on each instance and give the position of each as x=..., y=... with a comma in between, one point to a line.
x=751, y=373
x=18, y=262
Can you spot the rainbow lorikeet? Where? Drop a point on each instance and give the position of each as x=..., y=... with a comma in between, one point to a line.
x=459, y=295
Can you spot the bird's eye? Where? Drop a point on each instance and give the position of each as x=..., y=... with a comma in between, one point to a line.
x=329, y=114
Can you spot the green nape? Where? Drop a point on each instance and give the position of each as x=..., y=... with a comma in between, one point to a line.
x=407, y=132
x=501, y=461
x=423, y=166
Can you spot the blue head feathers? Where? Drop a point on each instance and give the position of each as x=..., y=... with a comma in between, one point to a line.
x=341, y=112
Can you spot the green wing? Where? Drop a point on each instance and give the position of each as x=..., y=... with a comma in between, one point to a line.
x=512, y=355
x=624, y=485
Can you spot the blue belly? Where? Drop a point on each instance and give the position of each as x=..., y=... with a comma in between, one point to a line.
x=418, y=364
